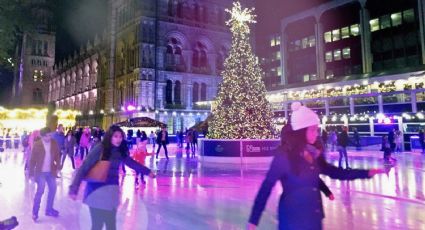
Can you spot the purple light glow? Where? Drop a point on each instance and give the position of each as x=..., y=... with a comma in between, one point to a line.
x=131, y=108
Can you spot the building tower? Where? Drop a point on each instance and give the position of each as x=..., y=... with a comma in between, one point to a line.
x=37, y=59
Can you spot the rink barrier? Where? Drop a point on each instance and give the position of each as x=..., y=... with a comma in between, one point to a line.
x=237, y=151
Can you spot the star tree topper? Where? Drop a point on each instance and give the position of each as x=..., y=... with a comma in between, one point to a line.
x=240, y=18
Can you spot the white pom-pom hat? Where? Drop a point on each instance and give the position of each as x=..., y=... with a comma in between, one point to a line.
x=302, y=117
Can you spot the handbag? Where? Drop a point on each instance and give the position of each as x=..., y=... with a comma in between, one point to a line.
x=99, y=171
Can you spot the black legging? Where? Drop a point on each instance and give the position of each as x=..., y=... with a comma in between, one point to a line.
x=100, y=217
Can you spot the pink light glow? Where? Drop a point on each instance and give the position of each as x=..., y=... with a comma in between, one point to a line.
x=131, y=108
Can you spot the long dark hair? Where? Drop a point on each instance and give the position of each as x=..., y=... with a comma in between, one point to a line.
x=107, y=145
x=293, y=143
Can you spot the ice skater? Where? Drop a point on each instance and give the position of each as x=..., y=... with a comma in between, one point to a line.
x=298, y=167
x=140, y=153
x=113, y=151
x=43, y=167
x=162, y=140
x=342, y=147
x=69, y=145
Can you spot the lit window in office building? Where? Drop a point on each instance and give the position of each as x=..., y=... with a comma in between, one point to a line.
x=313, y=77
x=277, y=40
x=279, y=71
x=335, y=35
x=328, y=36
x=396, y=19
x=328, y=56
x=272, y=42
x=385, y=22
x=306, y=77
x=304, y=43
x=311, y=41
x=297, y=44
x=355, y=30
x=346, y=53
x=374, y=24
x=337, y=55
x=345, y=32
x=278, y=55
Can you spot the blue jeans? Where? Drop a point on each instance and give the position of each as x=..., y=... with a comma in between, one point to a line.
x=343, y=153
x=41, y=180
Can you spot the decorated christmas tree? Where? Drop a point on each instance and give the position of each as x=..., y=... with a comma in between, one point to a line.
x=241, y=109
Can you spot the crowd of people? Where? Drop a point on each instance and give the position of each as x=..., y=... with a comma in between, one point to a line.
x=297, y=165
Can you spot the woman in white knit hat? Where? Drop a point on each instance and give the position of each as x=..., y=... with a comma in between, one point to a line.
x=297, y=166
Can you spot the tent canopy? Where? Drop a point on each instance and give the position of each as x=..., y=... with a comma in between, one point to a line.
x=140, y=122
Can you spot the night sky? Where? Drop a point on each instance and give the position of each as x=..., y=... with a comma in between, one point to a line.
x=77, y=22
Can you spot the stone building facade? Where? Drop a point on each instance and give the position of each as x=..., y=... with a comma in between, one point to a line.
x=160, y=59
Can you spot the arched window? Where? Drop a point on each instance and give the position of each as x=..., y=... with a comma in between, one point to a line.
x=170, y=8
x=203, y=59
x=195, y=92
x=180, y=9
x=203, y=92
x=177, y=93
x=197, y=12
x=205, y=14
x=200, y=58
x=178, y=55
x=195, y=58
x=174, y=58
x=169, y=55
x=169, y=92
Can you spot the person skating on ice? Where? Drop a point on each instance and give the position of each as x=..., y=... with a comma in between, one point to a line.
x=297, y=167
x=43, y=167
x=102, y=197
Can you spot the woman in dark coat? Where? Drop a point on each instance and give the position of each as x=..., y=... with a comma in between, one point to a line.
x=297, y=167
x=103, y=197
x=69, y=145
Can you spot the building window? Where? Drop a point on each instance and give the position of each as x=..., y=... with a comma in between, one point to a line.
x=279, y=71
x=328, y=36
x=345, y=32
x=328, y=56
x=203, y=92
x=177, y=93
x=278, y=55
x=169, y=92
x=306, y=77
x=354, y=30
x=297, y=44
x=385, y=22
x=396, y=19
x=311, y=41
x=409, y=16
x=195, y=92
x=278, y=40
x=304, y=43
x=346, y=53
x=272, y=42
x=374, y=24
x=313, y=77
x=337, y=55
x=336, y=35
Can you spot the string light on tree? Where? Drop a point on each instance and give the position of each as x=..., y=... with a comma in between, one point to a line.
x=242, y=110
